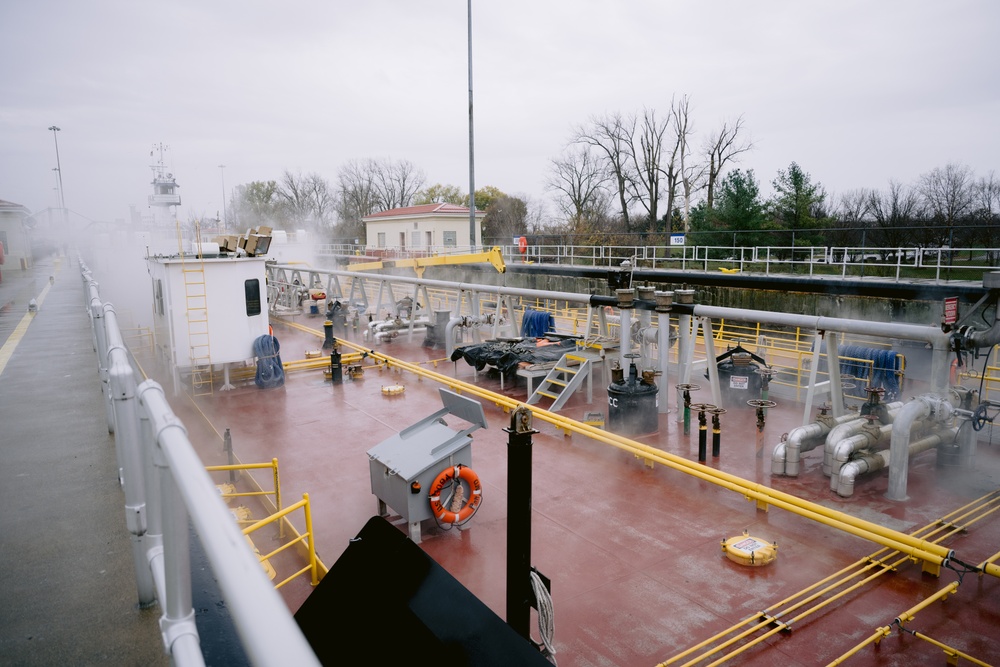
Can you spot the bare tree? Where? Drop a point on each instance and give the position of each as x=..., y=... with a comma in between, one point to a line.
x=724, y=146
x=293, y=193
x=322, y=198
x=358, y=196
x=948, y=195
x=851, y=218
x=646, y=158
x=612, y=135
x=893, y=214
x=680, y=172
x=396, y=182
x=580, y=182
x=986, y=213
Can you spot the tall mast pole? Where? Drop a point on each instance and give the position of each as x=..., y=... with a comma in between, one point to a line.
x=62, y=198
x=472, y=162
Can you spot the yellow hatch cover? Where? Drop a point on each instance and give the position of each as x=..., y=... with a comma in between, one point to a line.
x=748, y=550
x=393, y=390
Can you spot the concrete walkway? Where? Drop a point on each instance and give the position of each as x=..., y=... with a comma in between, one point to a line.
x=67, y=580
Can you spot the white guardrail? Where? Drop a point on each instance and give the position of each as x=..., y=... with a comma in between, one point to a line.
x=166, y=485
x=936, y=263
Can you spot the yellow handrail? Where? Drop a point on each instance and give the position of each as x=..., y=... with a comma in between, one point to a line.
x=307, y=538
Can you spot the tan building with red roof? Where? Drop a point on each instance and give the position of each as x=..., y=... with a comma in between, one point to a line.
x=422, y=228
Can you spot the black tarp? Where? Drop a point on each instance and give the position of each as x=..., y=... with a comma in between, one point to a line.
x=505, y=356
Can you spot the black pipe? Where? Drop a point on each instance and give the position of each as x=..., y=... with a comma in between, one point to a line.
x=886, y=289
x=336, y=368
x=520, y=596
x=716, y=434
x=328, y=334
x=702, y=436
x=227, y=446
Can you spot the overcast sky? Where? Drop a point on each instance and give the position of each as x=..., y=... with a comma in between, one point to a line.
x=855, y=92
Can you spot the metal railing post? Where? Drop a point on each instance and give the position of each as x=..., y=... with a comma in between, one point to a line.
x=180, y=634
x=101, y=340
x=128, y=440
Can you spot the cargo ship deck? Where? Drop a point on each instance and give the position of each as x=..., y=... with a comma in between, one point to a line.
x=632, y=544
x=633, y=547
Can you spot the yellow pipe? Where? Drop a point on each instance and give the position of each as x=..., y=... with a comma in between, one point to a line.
x=874, y=639
x=312, y=539
x=910, y=613
x=950, y=651
x=796, y=619
x=238, y=466
x=906, y=544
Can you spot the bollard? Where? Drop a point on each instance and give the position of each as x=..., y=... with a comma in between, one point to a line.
x=336, y=368
x=328, y=333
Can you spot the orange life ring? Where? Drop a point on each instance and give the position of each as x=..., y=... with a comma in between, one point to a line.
x=459, y=472
x=522, y=243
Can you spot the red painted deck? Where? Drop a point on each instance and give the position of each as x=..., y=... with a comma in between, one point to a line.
x=638, y=574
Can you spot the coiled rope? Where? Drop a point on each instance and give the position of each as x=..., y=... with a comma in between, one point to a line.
x=270, y=372
x=546, y=616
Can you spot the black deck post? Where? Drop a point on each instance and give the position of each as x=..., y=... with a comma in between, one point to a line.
x=519, y=592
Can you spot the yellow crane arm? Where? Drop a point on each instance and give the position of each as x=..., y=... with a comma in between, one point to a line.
x=494, y=256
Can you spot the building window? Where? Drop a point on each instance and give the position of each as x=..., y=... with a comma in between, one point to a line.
x=251, y=289
x=415, y=239
x=450, y=239
x=381, y=239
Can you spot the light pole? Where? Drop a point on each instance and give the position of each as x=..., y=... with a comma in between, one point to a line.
x=472, y=161
x=62, y=199
x=222, y=174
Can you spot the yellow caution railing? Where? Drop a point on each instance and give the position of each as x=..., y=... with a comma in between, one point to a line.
x=275, y=493
x=307, y=539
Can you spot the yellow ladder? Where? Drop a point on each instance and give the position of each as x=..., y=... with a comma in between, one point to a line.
x=196, y=314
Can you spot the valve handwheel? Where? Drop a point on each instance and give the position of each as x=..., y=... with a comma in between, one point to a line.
x=979, y=418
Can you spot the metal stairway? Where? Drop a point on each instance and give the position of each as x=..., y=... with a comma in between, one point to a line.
x=564, y=379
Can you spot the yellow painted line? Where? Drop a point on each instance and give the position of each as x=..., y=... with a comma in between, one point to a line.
x=22, y=327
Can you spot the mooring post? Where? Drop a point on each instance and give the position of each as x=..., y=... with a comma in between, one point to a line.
x=519, y=593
